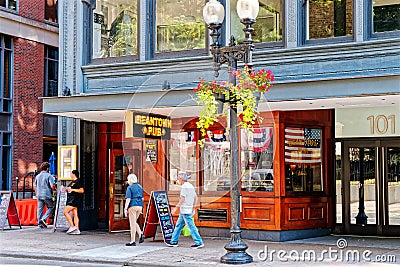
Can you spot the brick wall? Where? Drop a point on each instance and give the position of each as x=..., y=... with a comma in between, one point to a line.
x=27, y=120
x=32, y=9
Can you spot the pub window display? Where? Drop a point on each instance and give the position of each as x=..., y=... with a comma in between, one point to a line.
x=182, y=157
x=217, y=156
x=303, y=165
x=257, y=160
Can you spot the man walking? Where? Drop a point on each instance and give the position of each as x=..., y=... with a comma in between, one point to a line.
x=44, y=186
x=187, y=203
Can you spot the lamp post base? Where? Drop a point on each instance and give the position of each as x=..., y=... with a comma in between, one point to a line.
x=236, y=250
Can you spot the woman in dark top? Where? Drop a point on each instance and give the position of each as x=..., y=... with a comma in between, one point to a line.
x=75, y=191
x=133, y=208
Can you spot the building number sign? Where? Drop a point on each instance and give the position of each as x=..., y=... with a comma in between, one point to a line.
x=381, y=124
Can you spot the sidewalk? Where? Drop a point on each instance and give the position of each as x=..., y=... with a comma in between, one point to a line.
x=105, y=247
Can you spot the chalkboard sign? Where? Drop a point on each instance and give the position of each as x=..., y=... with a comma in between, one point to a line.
x=158, y=212
x=8, y=210
x=151, y=151
x=60, y=222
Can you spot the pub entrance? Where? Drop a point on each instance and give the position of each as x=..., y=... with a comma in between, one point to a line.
x=368, y=187
x=122, y=162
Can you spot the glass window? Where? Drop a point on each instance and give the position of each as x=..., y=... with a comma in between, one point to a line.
x=180, y=25
x=6, y=68
x=268, y=25
x=217, y=158
x=5, y=122
x=7, y=74
x=329, y=18
x=257, y=159
x=386, y=15
x=11, y=4
x=182, y=157
x=50, y=12
x=51, y=71
x=303, y=165
x=5, y=183
x=115, y=28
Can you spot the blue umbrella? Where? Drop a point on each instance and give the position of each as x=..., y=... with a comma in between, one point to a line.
x=52, y=162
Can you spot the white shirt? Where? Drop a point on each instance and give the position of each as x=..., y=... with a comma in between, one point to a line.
x=189, y=193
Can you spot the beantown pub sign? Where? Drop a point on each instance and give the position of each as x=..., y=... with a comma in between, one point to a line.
x=147, y=125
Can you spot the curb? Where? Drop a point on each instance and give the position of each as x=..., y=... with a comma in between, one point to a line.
x=29, y=255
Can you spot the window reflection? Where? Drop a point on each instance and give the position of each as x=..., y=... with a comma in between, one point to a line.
x=303, y=164
x=257, y=160
x=386, y=15
x=182, y=157
x=50, y=12
x=268, y=26
x=51, y=71
x=217, y=160
x=11, y=4
x=180, y=25
x=329, y=18
x=115, y=29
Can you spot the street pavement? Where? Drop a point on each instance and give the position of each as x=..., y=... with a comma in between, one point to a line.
x=109, y=248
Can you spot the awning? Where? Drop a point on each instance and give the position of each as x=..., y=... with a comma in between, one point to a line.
x=112, y=107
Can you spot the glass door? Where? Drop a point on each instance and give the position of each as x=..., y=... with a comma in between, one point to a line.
x=391, y=203
x=121, y=164
x=368, y=187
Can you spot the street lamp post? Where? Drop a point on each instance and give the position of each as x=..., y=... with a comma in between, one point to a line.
x=214, y=13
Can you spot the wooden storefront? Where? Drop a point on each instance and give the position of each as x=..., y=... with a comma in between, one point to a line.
x=278, y=194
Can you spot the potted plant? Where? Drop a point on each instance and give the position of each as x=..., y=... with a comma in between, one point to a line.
x=251, y=85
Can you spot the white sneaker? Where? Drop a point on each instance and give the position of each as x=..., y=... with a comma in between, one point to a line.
x=76, y=232
x=71, y=229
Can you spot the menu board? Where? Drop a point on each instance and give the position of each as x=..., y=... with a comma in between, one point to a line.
x=8, y=210
x=67, y=161
x=158, y=212
x=151, y=151
x=60, y=222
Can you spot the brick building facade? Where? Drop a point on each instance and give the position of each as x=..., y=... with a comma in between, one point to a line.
x=31, y=36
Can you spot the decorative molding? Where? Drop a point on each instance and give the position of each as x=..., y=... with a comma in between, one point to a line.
x=75, y=32
x=142, y=30
x=291, y=23
x=358, y=6
x=296, y=214
x=266, y=211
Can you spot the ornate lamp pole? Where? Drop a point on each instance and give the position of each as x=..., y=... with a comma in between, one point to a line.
x=214, y=13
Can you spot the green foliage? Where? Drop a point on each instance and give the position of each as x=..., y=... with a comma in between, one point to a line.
x=249, y=83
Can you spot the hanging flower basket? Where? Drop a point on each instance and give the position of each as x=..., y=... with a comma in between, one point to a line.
x=251, y=85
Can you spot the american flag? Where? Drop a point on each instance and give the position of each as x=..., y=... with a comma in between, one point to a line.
x=261, y=138
x=302, y=145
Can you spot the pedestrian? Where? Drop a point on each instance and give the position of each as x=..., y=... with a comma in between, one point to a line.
x=44, y=185
x=133, y=208
x=187, y=204
x=74, y=198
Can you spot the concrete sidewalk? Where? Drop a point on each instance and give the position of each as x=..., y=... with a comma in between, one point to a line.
x=105, y=247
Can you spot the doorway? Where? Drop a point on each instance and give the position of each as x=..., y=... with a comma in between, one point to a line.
x=122, y=162
x=368, y=187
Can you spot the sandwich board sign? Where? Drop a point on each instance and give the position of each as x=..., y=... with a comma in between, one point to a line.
x=8, y=210
x=60, y=222
x=158, y=213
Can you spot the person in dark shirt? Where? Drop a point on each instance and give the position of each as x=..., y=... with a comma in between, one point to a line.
x=133, y=208
x=75, y=191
